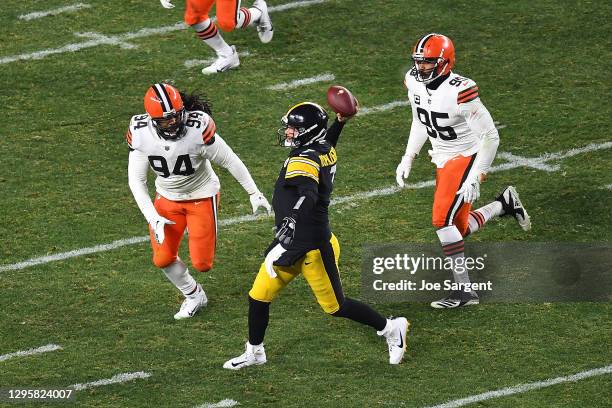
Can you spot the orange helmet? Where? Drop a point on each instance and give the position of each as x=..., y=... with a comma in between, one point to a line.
x=164, y=105
x=437, y=49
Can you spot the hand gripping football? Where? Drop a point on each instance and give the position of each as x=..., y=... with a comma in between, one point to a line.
x=342, y=101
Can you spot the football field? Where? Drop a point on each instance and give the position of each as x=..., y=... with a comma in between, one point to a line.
x=83, y=307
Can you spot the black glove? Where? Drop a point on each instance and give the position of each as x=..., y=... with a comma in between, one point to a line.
x=285, y=232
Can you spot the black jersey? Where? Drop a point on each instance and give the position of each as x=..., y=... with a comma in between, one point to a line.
x=308, y=170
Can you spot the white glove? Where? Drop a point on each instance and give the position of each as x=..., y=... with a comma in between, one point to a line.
x=403, y=169
x=166, y=4
x=272, y=256
x=259, y=201
x=157, y=225
x=470, y=190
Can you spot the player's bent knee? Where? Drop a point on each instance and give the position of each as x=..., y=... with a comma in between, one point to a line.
x=162, y=260
x=203, y=266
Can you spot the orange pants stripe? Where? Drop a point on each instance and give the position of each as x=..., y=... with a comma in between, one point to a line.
x=200, y=218
x=197, y=11
x=448, y=207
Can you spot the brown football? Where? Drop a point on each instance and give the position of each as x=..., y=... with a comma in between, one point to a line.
x=342, y=101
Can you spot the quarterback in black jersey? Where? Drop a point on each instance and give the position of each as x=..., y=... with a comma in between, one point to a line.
x=304, y=243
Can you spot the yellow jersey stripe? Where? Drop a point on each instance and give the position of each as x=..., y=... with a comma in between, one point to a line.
x=303, y=167
x=299, y=173
x=304, y=160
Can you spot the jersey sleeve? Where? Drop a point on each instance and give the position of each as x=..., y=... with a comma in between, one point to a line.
x=303, y=168
x=128, y=138
x=209, y=131
x=133, y=134
x=138, y=165
x=468, y=93
x=222, y=155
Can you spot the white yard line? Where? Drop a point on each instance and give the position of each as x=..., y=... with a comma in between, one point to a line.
x=53, y=12
x=518, y=389
x=382, y=108
x=295, y=4
x=24, y=353
x=301, y=82
x=97, y=39
x=226, y=403
x=208, y=61
x=119, y=378
x=339, y=200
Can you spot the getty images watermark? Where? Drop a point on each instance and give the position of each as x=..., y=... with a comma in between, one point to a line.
x=423, y=266
x=513, y=272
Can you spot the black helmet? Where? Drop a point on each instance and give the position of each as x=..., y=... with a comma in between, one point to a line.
x=310, y=121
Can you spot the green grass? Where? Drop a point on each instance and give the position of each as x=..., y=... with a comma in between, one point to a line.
x=543, y=71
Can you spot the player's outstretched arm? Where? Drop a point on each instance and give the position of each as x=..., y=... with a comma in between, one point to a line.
x=221, y=154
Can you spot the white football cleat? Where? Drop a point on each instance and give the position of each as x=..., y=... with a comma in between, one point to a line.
x=265, y=31
x=512, y=205
x=253, y=355
x=192, y=304
x=223, y=63
x=457, y=298
x=397, y=337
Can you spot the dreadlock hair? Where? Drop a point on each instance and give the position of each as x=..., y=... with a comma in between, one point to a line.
x=196, y=101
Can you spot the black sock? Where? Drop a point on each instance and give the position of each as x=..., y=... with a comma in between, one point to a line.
x=361, y=313
x=259, y=315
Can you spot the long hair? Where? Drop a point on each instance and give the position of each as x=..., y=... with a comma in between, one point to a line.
x=196, y=101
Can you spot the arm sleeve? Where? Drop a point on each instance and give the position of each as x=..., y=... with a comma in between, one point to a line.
x=416, y=140
x=307, y=197
x=333, y=133
x=481, y=123
x=221, y=154
x=302, y=174
x=138, y=165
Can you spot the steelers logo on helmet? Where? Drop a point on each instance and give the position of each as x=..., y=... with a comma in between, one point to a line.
x=164, y=105
x=303, y=124
x=433, y=56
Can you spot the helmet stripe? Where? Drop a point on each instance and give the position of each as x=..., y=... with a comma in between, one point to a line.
x=163, y=97
x=421, y=44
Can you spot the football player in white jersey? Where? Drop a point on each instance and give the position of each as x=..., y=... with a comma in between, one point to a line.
x=447, y=110
x=177, y=139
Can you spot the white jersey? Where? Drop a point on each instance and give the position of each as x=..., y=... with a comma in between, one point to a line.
x=442, y=116
x=183, y=166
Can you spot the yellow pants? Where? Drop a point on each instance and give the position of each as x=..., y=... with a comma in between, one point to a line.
x=320, y=269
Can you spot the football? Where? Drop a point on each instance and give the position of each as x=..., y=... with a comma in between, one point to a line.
x=342, y=101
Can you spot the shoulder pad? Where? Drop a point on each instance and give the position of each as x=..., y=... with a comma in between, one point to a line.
x=208, y=126
x=467, y=91
x=309, y=152
x=303, y=165
x=137, y=123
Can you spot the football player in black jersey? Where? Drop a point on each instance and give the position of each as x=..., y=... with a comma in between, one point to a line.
x=304, y=243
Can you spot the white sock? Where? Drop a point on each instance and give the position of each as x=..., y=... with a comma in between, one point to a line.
x=208, y=32
x=178, y=274
x=453, y=247
x=248, y=17
x=478, y=218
